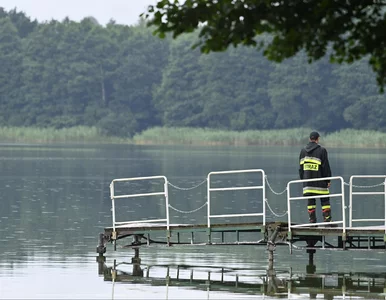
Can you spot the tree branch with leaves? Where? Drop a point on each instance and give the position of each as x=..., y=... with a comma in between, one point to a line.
x=346, y=30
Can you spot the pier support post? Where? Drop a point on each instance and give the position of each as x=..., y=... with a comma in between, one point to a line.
x=101, y=264
x=101, y=248
x=384, y=239
x=136, y=241
x=114, y=271
x=271, y=246
x=209, y=232
x=272, y=281
x=271, y=270
x=311, y=267
x=136, y=261
x=311, y=256
x=168, y=236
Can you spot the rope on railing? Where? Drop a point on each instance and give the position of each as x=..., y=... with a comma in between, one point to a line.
x=276, y=193
x=366, y=186
x=275, y=214
x=186, y=189
x=190, y=211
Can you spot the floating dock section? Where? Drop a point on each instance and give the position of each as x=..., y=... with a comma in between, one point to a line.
x=347, y=233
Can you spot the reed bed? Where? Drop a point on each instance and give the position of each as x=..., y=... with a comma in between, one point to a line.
x=294, y=136
x=79, y=134
x=356, y=139
x=194, y=136
x=205, y=136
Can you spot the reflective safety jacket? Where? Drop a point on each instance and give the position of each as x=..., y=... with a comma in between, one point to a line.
x=314, y=163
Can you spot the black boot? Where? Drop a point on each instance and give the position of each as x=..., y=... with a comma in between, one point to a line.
x=312, y=216
x=327, y=215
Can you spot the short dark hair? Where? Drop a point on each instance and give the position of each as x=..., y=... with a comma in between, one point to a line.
x=314, y=135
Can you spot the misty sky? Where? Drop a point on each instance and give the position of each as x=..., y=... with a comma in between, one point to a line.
x=122, y=11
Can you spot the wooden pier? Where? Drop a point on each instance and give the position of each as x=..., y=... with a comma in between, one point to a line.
x=337, y=235
x=361, y=238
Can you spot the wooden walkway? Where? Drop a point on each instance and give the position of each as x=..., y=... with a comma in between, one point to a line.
x=358, y=238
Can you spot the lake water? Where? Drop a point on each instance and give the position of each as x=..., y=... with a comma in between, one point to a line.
x=54, y=201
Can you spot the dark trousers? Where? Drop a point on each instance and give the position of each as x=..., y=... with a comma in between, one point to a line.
x=326, y=209
x=323, y=201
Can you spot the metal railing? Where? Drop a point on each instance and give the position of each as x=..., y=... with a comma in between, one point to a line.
x=341, y=195
x=365, y=193
x=256, y=187
x=163, y=193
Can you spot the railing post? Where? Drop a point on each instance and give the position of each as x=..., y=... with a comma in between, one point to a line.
x=350, y=202
x=385, y=208
x=343, y=208
x=289, y=207
x=114, y=236
x=263, y=176
x=166, y=192
x=208, y=199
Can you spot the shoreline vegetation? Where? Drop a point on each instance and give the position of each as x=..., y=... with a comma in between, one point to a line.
x=193, y=136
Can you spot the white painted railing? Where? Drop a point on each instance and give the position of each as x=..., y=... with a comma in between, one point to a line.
x=255, y=187
x=303, y=198
x=367, y=193
x=151, y=178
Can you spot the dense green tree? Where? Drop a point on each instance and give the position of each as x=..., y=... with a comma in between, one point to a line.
x=356, y=98
x=354, y=28
x=179, y=98
x=67, y=70
x=123, y=80
x=11, y=68
x=285, y=91
x=298, y=94
x=45, y=77
x=236, y=90
x=92, y=63
x=22, y=23
x=142, y=59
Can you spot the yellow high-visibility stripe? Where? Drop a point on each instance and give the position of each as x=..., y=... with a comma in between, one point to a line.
x=311, y=206
x=314, y=160
x=326, y=206
x=317, y=192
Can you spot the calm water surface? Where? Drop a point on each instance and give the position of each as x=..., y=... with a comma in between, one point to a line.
x=54, y=201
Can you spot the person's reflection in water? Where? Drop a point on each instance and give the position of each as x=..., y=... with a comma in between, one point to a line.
x=315, y=282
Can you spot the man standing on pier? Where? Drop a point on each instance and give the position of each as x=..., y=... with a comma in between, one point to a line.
x=314, y=163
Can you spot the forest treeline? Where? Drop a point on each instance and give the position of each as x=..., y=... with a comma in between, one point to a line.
x=122, y=80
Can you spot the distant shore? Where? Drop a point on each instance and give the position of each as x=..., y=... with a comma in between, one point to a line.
x=193, y=136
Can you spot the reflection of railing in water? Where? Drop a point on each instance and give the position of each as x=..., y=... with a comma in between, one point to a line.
x=281, y=283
